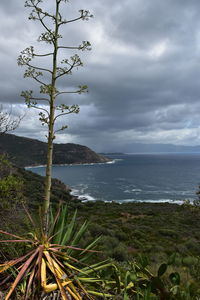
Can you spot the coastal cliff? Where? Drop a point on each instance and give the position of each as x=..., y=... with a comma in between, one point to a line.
x=30, y=152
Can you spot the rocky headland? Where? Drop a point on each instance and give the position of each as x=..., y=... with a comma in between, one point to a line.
x=24, y=151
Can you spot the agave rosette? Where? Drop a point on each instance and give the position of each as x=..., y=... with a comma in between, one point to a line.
x=54, y=262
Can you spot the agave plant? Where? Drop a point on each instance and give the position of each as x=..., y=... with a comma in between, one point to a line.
x=55, y=262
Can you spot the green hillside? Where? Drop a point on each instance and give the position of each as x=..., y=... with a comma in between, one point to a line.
x=29, y=152
x=145, y=233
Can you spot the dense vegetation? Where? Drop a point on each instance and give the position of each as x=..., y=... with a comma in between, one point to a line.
x=130, y=229
x=144, y=233
x=27, y=152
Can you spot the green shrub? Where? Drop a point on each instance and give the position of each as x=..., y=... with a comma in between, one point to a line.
x=168, y=232
x=192, y=245
x=10, y=191
x=120, y=253
x=97, y=230
x=110, y=242
x=120, y=235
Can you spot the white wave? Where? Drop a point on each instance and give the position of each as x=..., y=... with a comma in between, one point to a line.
x=170, y=192
x=164, y=201
x=149, y=186
x=111, y=162
x=152, y=201
x=136, y=191
x=121, y=179
x=75, y=192
x=184, y=193
x=79, y=193
x=86, y=198
x=35, y=167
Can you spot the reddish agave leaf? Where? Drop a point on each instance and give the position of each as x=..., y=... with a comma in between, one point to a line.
x=61, y=254
x=29, y=216
x=31, y=277
x=41, y=221
x=58, y=261
x=39, y=261
x=13, y=262
x=13, y=235
x=55, y=249
x=72, y=247
x=72, y=258
x=75, y=248
x=21, y=273
x=51, y=237
x=84, y=290
x=15, y=241
x=5, y=280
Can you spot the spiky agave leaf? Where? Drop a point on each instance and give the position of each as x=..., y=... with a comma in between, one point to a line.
x=64, y=233
x=21, y=274
x=56, y=262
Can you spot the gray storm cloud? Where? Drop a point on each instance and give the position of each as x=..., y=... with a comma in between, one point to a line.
x=143, y=72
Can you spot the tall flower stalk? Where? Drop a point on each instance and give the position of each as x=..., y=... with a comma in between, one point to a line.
x=47, y=99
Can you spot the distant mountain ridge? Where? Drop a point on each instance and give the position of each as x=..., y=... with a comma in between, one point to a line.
x=24, y=151
x=148, y=148
x=155, y=148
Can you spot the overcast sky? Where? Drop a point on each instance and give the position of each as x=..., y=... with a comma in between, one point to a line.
x=143, y=72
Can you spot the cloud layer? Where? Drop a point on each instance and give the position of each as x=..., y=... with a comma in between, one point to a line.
x=143, y=72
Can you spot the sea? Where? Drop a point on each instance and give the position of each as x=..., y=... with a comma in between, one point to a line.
x=153, y=177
